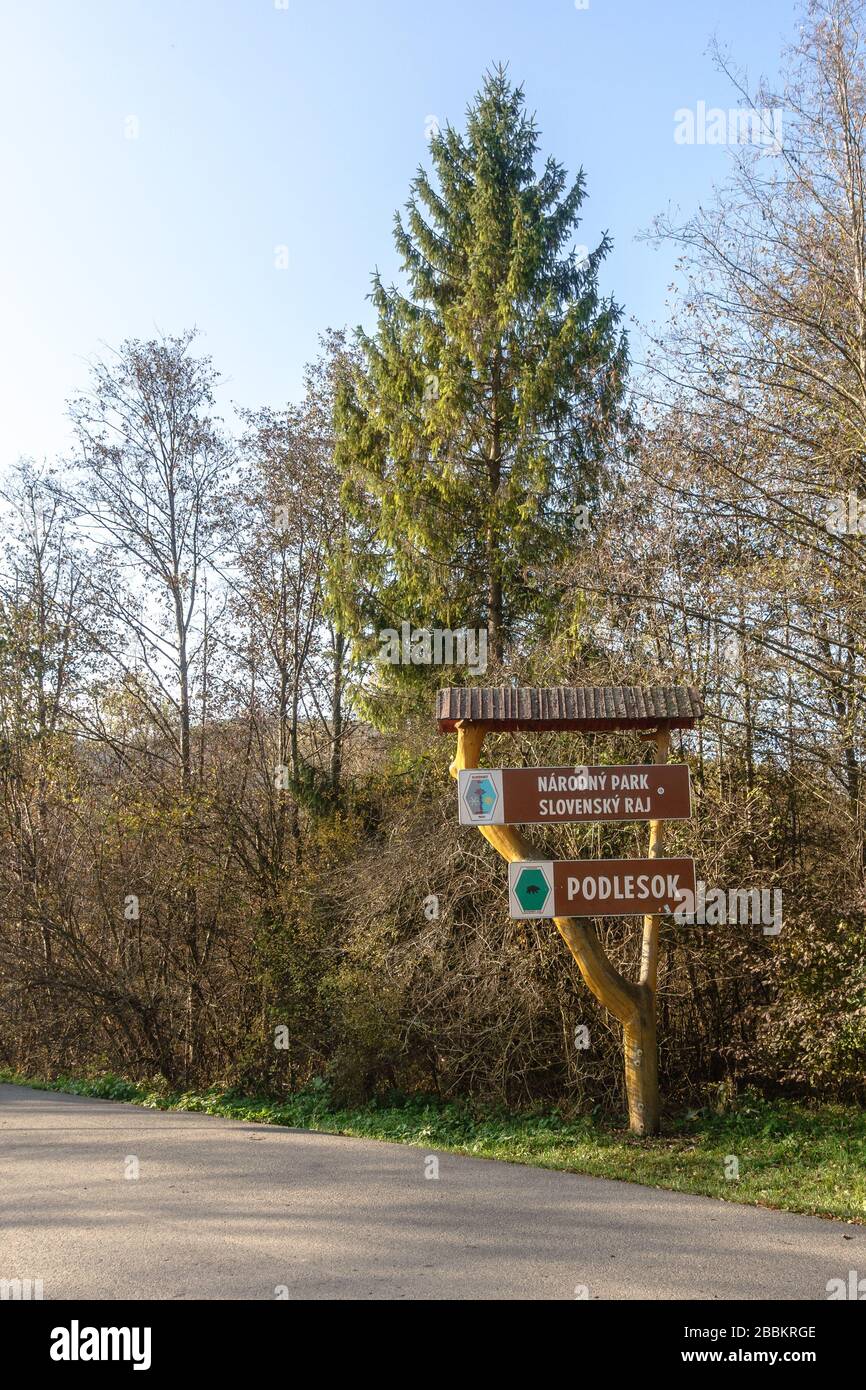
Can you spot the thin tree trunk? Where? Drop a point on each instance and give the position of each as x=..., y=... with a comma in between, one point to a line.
x=337, y=714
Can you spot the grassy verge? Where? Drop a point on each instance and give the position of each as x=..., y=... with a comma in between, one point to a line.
x=787, y=1156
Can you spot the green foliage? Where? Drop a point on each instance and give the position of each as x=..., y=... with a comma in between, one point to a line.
x=484, y=408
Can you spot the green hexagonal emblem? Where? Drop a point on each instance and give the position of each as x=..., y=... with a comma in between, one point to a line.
x=532, y=889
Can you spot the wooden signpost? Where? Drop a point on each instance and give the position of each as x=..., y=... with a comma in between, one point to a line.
x=572, y=893
x=599, y=887
x=548, y=795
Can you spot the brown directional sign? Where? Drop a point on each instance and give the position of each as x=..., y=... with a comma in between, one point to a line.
x=598, y=887
x=541, y=795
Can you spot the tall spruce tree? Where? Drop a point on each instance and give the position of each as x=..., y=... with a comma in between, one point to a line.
x=478, y=425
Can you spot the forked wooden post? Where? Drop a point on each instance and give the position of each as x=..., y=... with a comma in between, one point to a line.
x=639, y=1034
x=474, y=712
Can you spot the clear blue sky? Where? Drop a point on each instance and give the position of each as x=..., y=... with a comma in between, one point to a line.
x=261, y=127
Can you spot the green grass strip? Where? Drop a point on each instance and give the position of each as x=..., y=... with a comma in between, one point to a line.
x=787, y=1156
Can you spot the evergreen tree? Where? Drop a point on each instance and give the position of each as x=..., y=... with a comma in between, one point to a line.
x=478, y=425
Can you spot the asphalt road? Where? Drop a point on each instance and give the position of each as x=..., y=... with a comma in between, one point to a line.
x=222, y=1209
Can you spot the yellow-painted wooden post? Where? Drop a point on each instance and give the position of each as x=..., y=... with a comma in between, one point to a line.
x=633, y=1004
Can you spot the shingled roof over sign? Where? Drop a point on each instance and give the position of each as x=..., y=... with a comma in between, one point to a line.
x=598, y=708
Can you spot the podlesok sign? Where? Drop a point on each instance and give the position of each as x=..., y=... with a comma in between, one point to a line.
x=599, y=887
x=539, y=795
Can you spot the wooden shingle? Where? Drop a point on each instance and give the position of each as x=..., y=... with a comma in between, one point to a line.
x=594, y=708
